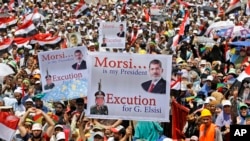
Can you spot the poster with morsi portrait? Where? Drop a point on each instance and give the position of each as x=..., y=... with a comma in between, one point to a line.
x=129, y=86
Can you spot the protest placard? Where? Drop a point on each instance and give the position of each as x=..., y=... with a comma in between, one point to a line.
x=112, y=34
x=129, y=86
x=64, y=71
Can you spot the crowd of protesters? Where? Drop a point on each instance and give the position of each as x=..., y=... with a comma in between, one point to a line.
x=206, y=71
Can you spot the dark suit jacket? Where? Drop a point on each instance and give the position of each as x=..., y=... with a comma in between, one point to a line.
x=47, y=87
x=160, y=87
x=121, y=34
x=82, y=65
x=103, y=45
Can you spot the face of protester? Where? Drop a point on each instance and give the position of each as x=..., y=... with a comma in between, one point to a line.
x=37, y=133
x=155, y=71
x=218, y=110
x=209, y=83
x=98, y=139
x=58, y=129
x=39, y=103
x=18, y=96
x=59, y=109
x=117, y=136
x=227, y=109
x=243, y=111
x=212, y=108
x=79, y=107
x=207, y=120
x=248, y=121
x=242, y=53
x=28, y=105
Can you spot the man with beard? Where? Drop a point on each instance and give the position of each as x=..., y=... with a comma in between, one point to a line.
x=18, y=107
x=59, y=110
x=36, y=133
x=118, y=133
x=157, y=85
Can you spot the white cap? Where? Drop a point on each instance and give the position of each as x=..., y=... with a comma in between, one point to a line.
x=98, y=133
x=195, y=138
x=60, y=136
x=36, y=71
x=210, y=77
x=37, y=126
x=183, y=87
x=28, y=46
x=209, y=99
x=203, y=62
x=226, y=103
x=29, y=100
x=59, y=126
x=37, y=82
x=195, y=32
x=18, y=90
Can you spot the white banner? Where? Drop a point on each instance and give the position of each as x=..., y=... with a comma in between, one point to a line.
x=112, y=34
x=61, y=69
x=158, y=14
x=121, y=86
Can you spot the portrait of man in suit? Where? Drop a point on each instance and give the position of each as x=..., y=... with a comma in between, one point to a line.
x=157, y=84
x=104, y=44
x=73, y=40
x=80, y=64
x=49, y=83
x=121, y=33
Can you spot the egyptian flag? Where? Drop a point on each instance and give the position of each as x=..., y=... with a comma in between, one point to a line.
x=234, y=4
x=181, y=31
x=124, y=11
x=244, y=74
x=176, y=84
x=7, y=21
x=147, y=15
x=8, y=125
x=179, y=114
x=80, y=8
x=248, y=8
x=46, y=41
x=221, y=11
x=185, y=4
x=35, y=16
x=20, y=41
x=5, y=43
x=41, y=36
x=11, y=5
x=25, y=28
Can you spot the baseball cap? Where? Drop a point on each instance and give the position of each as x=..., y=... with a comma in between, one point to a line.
x=117, y=129
x=226, y=103
x=194, y=138
x=60, y=136
x=36, y=126
x=59, y=126
x=98, y=134
x=18, y=90
x=29, y=100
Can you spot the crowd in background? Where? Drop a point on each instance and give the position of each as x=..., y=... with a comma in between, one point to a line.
x=205, y=71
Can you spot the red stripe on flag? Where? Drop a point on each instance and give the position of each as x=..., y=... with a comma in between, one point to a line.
x=9, y=120
x=179, y=114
